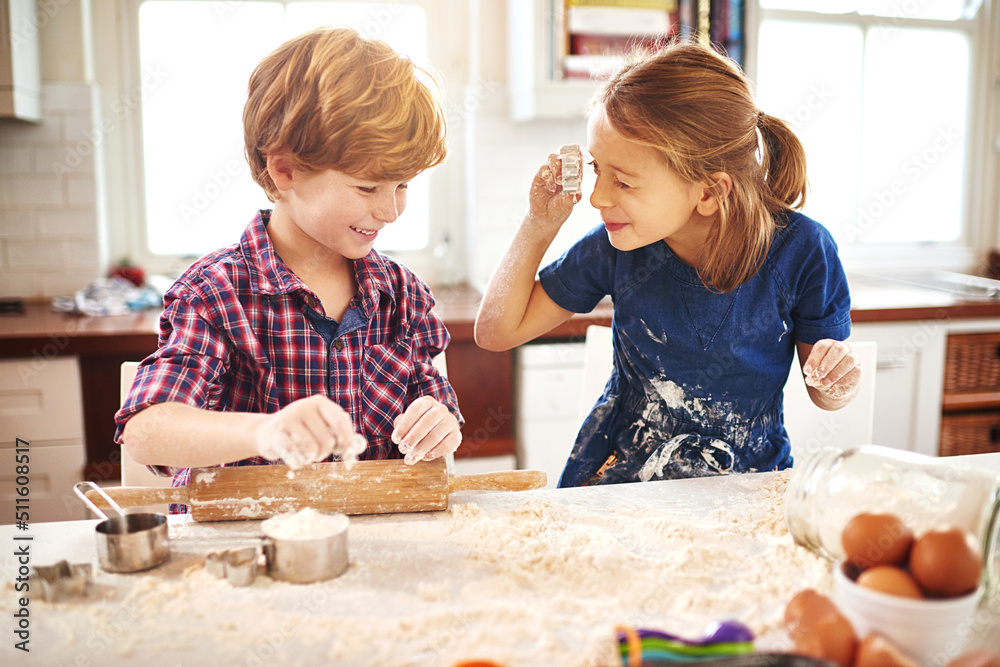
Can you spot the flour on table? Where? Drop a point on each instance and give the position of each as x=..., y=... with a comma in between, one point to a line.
x=520, y=579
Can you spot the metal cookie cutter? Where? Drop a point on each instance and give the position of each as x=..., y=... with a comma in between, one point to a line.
x=62, y=580
x=571, y=177
x=238, y=566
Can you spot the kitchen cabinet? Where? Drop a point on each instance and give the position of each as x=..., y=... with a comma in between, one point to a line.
x=970, y=423
x=937, y=384
x=40, y=411
x=908, y=380
x=20, y=69
x=549, y=378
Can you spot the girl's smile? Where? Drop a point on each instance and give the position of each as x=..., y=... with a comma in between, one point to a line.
x=641, y=199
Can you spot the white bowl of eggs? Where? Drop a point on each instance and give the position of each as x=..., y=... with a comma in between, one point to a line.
x=919, y=592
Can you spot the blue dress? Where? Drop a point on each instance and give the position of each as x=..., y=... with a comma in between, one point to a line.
x=698, y=376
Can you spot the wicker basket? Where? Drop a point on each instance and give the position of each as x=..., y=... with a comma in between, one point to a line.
x=971, y=433
x=972, y=363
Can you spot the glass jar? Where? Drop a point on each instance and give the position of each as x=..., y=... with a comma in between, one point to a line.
x=831, y=486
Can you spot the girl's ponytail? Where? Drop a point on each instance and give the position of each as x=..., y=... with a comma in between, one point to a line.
x=784, y=161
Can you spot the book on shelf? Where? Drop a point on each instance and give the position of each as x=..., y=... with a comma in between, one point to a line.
x=596, y=35
x=593, y=36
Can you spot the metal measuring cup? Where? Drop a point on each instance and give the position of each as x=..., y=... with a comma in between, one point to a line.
x=304, y=561
x=128, y=542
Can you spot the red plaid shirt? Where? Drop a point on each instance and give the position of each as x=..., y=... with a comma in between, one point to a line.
x=234, y=336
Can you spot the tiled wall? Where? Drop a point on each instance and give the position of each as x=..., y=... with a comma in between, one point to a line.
x=49, y=241
x=506, y=156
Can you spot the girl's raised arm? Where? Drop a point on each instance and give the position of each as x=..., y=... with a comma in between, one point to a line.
x=515, y=308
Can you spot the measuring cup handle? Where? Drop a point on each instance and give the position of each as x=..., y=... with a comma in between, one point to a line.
x=90, y=503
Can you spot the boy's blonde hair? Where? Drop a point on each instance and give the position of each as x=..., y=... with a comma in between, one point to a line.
x=332, y=99
x=697, y=109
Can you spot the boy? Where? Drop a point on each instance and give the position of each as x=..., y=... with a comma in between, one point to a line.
x=281, y=346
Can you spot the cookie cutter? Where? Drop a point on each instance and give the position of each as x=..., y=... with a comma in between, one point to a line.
x=62, y=580
x=571, y=175
x=238, y=566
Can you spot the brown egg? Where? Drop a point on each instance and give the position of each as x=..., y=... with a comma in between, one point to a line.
x=804, y=610
x=891, y=580
x=877, y=651
x=876, y=539
x=979, y=658
x=946, y=562
x=830, y=638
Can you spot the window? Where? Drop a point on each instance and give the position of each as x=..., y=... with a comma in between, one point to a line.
x=881, y=94
x=199, y=195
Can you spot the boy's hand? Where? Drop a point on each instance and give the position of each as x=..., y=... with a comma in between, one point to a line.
x=546, y=201
x=306, y=431
x=426, y=430
x=832, y=368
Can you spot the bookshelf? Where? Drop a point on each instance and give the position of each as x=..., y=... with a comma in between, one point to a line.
x=559, y=50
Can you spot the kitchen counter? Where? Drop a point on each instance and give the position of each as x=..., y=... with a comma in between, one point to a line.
x=532, y=578
x=484, y=381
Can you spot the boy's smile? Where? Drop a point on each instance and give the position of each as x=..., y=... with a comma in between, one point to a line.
x=328, y=211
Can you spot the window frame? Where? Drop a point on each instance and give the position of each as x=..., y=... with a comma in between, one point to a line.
x=121, y=211
x=981, y=213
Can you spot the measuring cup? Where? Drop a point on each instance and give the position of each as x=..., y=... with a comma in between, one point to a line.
x=128, y=542
x=304, y=561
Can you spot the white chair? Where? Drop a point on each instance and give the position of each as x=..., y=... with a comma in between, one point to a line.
x=441, y=363
x=598, y=362
x=809, y=427
x=133, y=473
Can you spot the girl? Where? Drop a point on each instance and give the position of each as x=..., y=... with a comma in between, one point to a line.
x=715, y=278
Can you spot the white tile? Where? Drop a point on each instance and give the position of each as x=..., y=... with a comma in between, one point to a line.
x=66, y=96
x=78, y=127
x=18, y=132
x=63, y=161
x=80, y=191
x=81, y=222
x=66, y=283
x=15, y=160
x=82, y=254
x=28, y=254
x=30, y=192
x=17, y=224
x=21, y=284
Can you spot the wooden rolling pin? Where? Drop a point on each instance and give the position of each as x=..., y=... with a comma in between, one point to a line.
x=369, y=487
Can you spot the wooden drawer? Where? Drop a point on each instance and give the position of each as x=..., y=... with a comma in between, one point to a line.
x=972, y=363
x=972, y=433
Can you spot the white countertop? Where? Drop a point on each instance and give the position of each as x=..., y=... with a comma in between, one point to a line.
x=532, y=578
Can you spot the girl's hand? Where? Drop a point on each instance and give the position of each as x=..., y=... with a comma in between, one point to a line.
x=546, y=201
x=306, y=431
x=832, y=368
x=426, y=430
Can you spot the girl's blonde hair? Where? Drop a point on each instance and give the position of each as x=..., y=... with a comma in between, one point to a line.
x=332, y=99
x=697, y=109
